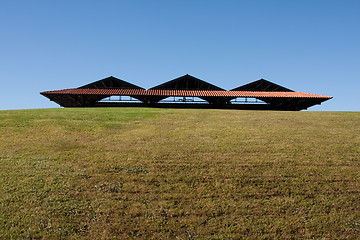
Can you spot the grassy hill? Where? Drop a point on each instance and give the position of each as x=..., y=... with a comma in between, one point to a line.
x=179, y=173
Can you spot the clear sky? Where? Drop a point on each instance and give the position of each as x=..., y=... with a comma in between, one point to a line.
x=308, y=45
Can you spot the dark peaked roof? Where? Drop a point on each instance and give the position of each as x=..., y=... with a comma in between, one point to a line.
x=109, y=83
x=187, y=82
x=262, y=85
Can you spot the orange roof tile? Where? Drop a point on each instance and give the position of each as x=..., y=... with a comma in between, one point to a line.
x=185, y=93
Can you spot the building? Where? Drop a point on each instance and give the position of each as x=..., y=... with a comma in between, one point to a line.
x=185, y=92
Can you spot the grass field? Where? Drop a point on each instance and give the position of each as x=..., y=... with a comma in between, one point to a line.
x=130, y=173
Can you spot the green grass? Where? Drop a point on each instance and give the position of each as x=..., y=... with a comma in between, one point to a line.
x=129, y=173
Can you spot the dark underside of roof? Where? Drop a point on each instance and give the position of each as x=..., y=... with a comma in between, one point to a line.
x=271, y=95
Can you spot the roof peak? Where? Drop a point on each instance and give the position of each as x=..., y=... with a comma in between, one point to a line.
x=110, y=82
x=262, y=85
x=187, y=82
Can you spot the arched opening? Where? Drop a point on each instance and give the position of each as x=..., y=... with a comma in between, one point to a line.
x=119, y=99
x=183, y=100
x=247, y=100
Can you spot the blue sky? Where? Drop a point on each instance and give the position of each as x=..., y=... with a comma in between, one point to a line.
x=309, y=46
